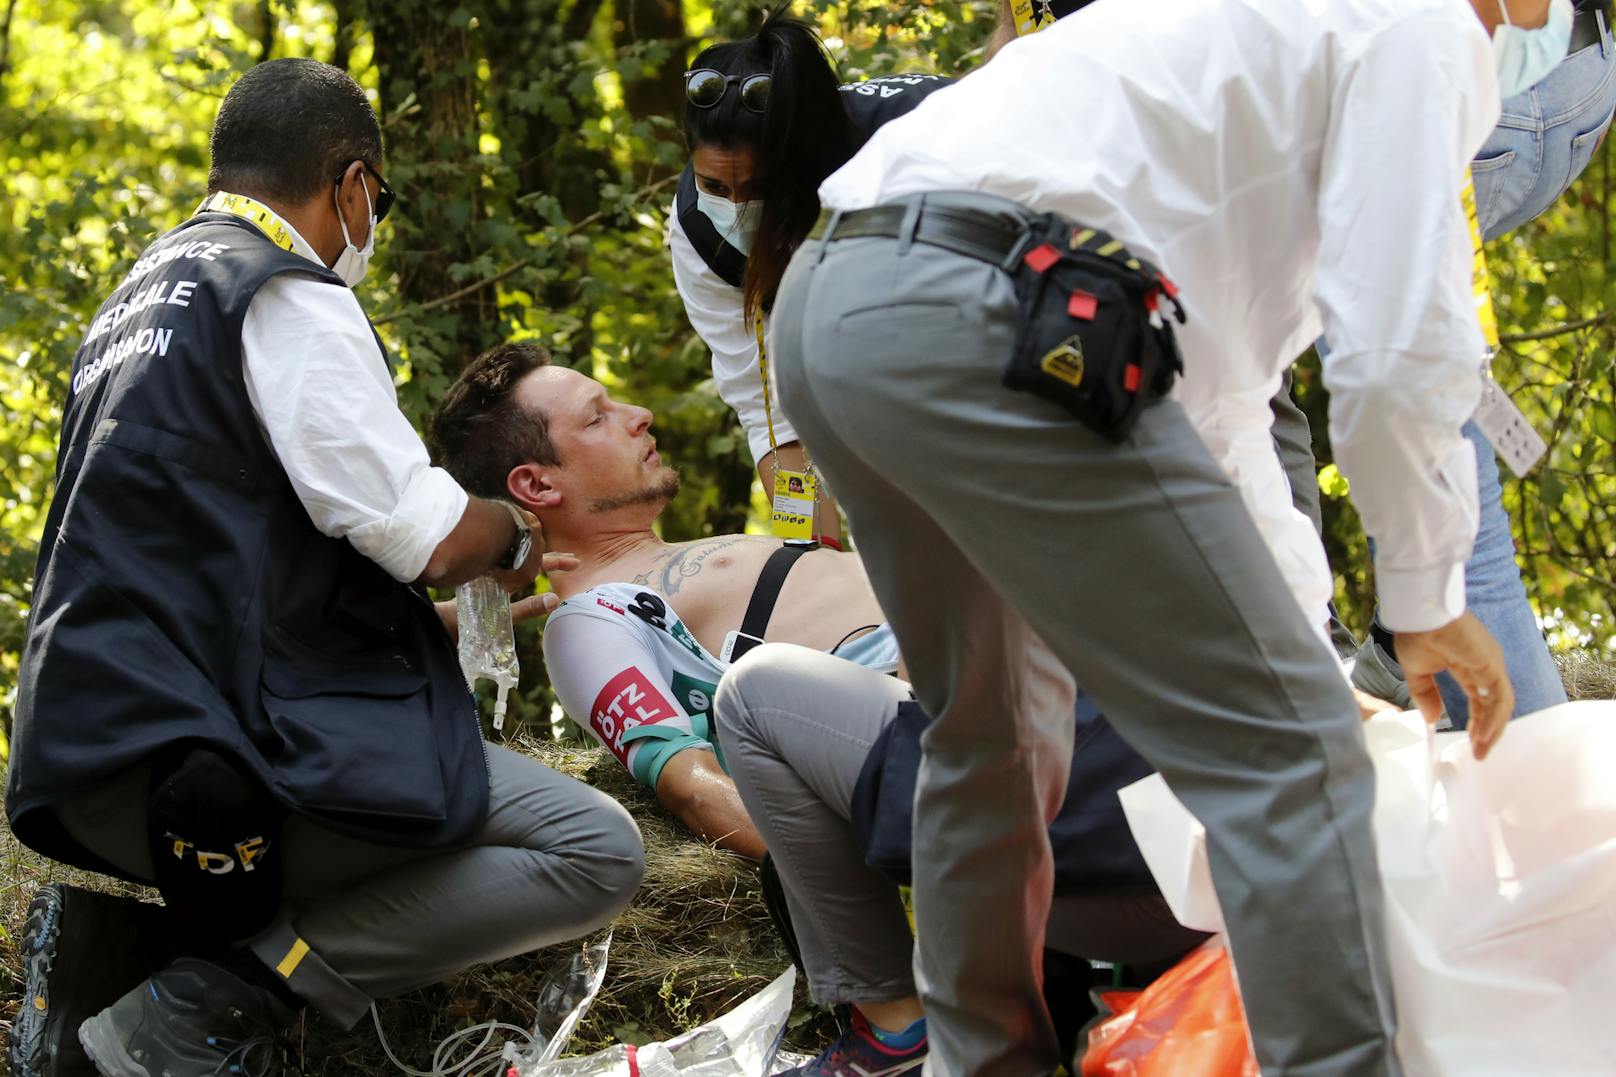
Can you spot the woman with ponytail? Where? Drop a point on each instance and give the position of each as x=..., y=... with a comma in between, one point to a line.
x=765, y=123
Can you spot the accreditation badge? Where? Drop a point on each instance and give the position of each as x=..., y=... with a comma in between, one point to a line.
x=794, y=494
x=1501, y=422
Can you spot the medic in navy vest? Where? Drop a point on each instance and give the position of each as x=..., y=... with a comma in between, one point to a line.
x=183, y=594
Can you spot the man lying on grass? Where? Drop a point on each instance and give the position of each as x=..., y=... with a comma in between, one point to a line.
x=643, y=635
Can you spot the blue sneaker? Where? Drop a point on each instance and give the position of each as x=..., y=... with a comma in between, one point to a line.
x=859, y=1054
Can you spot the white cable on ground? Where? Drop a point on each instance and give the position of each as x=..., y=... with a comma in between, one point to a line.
x=470, y=1066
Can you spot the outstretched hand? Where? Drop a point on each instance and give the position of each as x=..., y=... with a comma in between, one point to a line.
x=540, y=605
x=1468, y=651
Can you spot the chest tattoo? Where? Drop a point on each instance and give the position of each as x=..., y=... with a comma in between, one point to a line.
x=672, y=567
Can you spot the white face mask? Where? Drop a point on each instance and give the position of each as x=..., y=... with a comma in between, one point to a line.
x=736, y=221
x=1525, y=57
x=353, y=263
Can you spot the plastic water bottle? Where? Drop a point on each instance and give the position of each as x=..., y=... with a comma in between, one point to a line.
x=487, y=643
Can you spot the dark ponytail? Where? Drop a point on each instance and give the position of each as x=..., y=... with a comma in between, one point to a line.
x=803, y=137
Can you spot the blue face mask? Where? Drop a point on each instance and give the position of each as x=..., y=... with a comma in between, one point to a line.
x=1525, y=57
x=736, y=221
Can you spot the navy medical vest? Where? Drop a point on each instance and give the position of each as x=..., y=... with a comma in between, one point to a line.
x=183, y=594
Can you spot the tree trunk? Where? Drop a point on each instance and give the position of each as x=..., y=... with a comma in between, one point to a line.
x=642, y=21
x=543, y=43
x=5, y=40
x=342, y=37
x=266, y=29
x=539, y=39
x=420, y=51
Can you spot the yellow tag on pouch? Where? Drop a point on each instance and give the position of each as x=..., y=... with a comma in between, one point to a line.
x=794, y=494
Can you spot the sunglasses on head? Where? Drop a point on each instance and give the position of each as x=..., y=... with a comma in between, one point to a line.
x=705, y=88
x=384, y=197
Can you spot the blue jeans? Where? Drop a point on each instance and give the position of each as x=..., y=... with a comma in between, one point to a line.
x=1544, y=139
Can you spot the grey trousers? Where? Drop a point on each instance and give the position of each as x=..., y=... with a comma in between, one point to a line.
x=1013, y=550
x=555, y=860
x=796, y=726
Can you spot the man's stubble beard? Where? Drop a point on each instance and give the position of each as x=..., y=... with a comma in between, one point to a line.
x=661, y=490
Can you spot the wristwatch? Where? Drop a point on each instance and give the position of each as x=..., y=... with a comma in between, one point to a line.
x=521, y=542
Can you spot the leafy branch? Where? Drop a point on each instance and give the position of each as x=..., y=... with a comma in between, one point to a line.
x=517, y=266
x=1555, y=331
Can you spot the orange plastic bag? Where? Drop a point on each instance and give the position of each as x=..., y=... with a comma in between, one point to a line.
x=1189, y=1021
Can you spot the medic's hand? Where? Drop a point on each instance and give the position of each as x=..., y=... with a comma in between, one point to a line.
x=1468, y=651
x=519, y=580
x=532, y=606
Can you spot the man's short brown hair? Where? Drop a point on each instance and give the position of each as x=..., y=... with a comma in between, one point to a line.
x=480, y=431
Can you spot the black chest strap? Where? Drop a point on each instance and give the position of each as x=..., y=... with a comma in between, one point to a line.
x=765, y=593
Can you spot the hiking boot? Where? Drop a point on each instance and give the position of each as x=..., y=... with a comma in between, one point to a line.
x=859, y=1054
x=193, y=1019
x=80, y=951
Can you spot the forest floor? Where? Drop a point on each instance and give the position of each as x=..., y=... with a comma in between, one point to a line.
x=696, y=941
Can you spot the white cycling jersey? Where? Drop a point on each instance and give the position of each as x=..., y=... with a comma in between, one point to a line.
x=626, y=668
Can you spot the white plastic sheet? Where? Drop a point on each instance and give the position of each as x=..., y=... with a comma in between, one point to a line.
x=1500, y=881
x=744, y=1042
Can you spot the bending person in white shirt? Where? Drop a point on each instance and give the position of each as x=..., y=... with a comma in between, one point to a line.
x=1239, y=146
x=639, y=649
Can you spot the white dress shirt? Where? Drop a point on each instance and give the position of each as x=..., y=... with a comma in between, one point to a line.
x=1295, y=166
x=717, y=312
x=325, y=399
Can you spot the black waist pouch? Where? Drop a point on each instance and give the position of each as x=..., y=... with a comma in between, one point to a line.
x=1092, y=337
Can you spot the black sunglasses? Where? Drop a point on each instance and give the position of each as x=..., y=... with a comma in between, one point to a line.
x=384, y=197
x=705, y=88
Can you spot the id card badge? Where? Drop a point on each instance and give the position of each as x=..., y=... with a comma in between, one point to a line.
x=794, y=493
x=1502, y=423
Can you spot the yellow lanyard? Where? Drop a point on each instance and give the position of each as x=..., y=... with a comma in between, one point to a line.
x=795, y=497
x=763, y=372
x=1481, y=284
x=257, y=214
x=768, y=407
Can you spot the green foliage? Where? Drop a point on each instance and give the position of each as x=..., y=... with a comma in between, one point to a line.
x=533, y=143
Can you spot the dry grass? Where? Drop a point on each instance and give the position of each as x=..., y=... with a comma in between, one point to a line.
x=1587, y=674
x=696, y=940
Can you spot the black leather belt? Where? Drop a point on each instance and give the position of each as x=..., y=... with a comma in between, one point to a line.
x=1585, y=29
x=978, y=234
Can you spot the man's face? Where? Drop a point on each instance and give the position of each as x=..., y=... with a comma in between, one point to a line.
x=608, y=456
